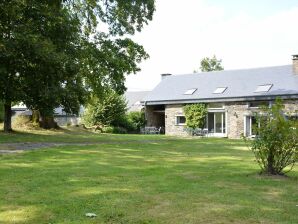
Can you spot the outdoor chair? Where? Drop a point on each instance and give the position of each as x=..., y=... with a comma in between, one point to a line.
x=152, y=130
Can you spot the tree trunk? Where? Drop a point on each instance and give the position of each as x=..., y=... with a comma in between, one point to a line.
x=270, y=160
x=7, y=117
x=35, y=117
x=47, y=122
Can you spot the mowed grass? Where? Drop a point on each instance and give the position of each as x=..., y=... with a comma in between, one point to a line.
x=69, y=135
x=164, y=180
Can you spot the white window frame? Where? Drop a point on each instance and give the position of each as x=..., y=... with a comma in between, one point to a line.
x=176, y=120
x=190, y=91
x=220, y=90
x=257, y=107
x=223, y=121
x=222, y=106
x=263, y=88
x=250, y=125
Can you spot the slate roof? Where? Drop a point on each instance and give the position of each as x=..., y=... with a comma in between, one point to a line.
x=241, y=85
x=134, y=100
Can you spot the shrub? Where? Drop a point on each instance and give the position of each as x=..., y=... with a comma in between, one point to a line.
x=195, y=115
x=136, y=120
x=108, y=110
x=114, y=130
x=276, y=144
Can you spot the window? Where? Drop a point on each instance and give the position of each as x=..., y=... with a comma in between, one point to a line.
x=258, y=104
x=215, y=106
x=263, y=88
x=180, y=120
x=190, y=91
x=220, y=90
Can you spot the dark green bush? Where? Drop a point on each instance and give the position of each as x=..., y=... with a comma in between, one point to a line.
x=114, y=130
x=136, y=120
x=1, y=112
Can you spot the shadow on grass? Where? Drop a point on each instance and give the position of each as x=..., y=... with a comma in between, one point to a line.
x=166, y=182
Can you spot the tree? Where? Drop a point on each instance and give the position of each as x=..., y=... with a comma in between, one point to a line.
x=195, y=115
x=1, y=112
x=10, y=56
x=211, y=64
x=276, y=144
x=107, y=110
x=136, y=119
x=54, y=78
x=53, y=49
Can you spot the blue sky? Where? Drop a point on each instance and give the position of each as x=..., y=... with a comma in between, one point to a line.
x=244, y=34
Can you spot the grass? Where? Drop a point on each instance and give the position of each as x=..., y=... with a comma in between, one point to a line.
x=69, y=135
x=164, y=180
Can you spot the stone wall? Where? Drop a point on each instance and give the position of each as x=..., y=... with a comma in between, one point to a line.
x=235, y=116
x=235, y=112
x=171, y=128
x=67, y=120
x=291, y=106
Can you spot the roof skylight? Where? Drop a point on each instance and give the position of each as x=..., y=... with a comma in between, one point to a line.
x=190, y=91
x=220, y=90
x=263, y=88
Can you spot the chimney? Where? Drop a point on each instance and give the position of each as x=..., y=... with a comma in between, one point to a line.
x=163, y=76
x=295, y=64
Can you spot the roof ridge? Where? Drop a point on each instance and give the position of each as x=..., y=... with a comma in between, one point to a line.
x=232, y=70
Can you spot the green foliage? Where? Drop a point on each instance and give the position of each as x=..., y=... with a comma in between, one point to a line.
x=136, y=119
x=53, y=53
x=122, y=17
x=195, y=115
x=114, y=130
x=276, y=144
x=1, y=112
x=108, y=110
x=211, y=64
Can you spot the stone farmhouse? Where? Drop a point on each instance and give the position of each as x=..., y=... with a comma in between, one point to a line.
x=232, y=97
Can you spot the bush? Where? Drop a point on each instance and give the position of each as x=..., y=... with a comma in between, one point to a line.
x=114, y=130
x=276, y=144
x=108, y=110
x=136, y=120
x=195, y=115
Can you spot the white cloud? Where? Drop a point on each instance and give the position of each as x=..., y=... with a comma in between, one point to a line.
x=183, y=32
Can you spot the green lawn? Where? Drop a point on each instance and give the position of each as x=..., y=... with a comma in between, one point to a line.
x=140, y=179
x=70, y=135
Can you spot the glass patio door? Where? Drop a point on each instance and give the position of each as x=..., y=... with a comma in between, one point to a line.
x=216, y=122
x=250, y=123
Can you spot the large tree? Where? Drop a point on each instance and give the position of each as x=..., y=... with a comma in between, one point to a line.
x=11, y=57
x=55, y=53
